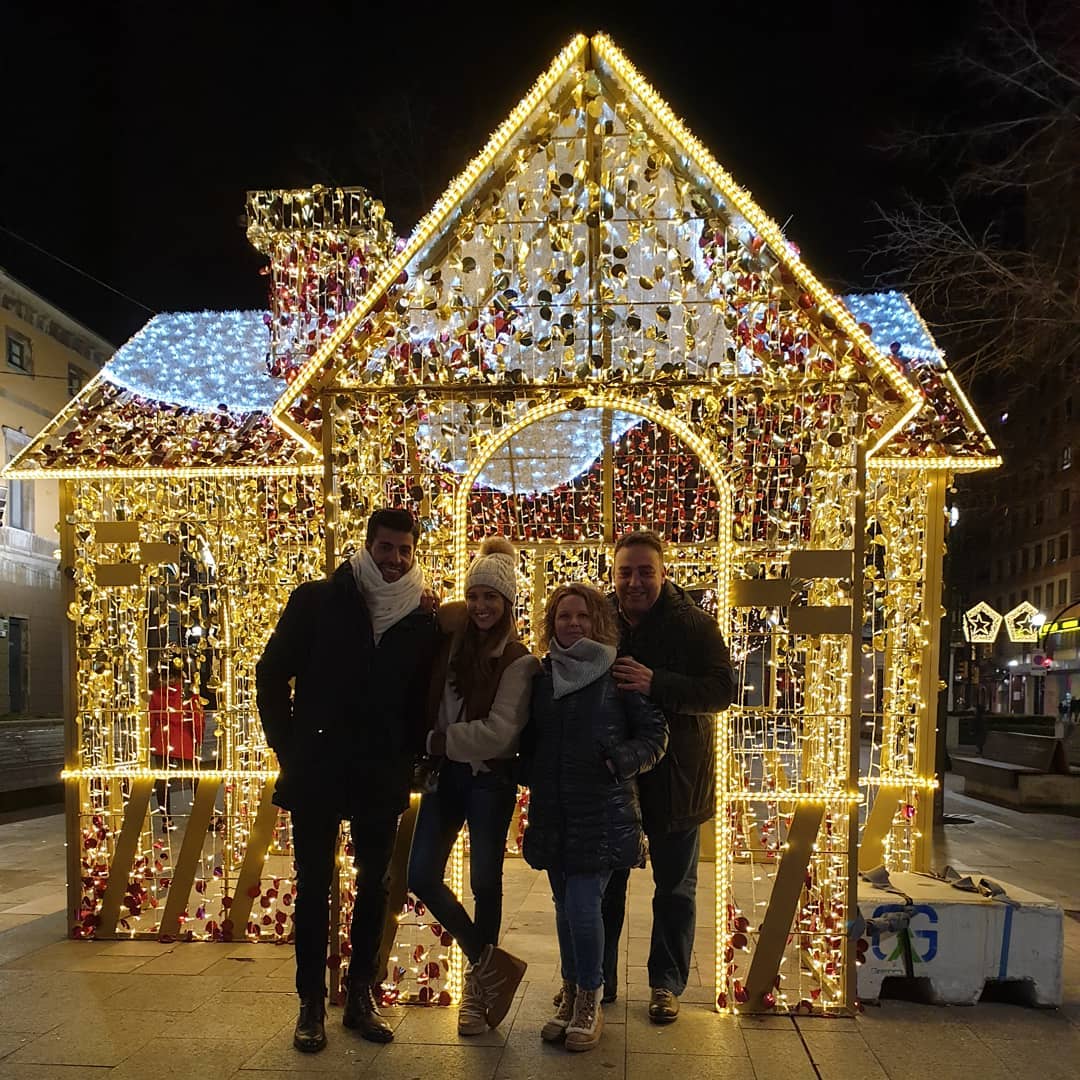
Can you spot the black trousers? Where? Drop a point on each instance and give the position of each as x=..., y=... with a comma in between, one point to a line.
x=674, y=859
x=315, y=834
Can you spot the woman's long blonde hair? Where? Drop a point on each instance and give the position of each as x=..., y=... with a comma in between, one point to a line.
x=604, y=628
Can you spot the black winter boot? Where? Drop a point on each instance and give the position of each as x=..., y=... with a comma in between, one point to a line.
x=310, y=1033
x=362, y=1014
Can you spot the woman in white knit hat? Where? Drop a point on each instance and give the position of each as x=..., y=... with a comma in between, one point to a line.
x=478, y=705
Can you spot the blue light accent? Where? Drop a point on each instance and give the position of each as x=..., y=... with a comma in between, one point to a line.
x=200, y=359
x=1006, y=941
x=552, y=452
x=895, y=321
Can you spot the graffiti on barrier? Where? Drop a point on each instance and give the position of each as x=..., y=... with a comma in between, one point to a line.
x=924, y=941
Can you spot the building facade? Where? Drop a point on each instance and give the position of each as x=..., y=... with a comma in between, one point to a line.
x=47, y=357
x=1017, y=542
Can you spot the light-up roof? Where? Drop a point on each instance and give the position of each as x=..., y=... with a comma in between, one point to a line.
x=200, y=359
x=896, y=327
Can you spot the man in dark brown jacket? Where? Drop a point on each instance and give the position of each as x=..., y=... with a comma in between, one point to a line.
x=672, y=652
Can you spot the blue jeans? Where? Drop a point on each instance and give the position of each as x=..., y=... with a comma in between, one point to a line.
x=674, y=859
x=580, y=926
x=486, y=802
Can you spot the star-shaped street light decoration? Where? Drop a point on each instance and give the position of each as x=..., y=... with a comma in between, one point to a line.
x=1019, y=622
x=981, y=624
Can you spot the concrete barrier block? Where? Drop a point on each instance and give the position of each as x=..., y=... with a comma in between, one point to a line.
x=960, y=940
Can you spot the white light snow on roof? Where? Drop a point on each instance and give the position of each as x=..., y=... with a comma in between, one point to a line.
x=201, y=359
x=894, y=322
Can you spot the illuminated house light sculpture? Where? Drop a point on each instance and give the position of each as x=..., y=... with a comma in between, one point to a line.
x=595, y=329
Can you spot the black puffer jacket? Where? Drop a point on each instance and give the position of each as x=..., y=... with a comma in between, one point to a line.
x=347, y=734
x=582, y=816
x=692, y=679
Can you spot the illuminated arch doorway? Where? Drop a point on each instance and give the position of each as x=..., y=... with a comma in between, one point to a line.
x=702, y=566
x=714, y=553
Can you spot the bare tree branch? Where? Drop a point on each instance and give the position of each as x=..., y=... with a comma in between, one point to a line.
x=994, y=262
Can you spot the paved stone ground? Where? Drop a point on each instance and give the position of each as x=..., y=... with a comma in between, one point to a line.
x=134, y=1010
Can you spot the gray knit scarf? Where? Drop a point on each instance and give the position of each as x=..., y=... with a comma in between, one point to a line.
x=583, y=663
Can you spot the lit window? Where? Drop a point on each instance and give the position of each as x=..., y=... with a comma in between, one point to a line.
x=76, y=379
x=19, y=505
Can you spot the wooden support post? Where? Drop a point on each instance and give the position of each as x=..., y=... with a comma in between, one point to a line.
x=333, y=936
x=399, y=883
x=72, y=788
x=858, y=614
x=783, y=904
x=124, y=855
x=258, y=844
x=878, y=825
x=330, y=514
x=922, y=846
x=187, y=863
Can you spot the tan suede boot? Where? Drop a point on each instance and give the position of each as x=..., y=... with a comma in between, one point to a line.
x=555, y=1029
x=584, y=1030
x=497, y=977
x=472, y=1012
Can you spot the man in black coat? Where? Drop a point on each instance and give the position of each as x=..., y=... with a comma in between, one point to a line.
x=672, y=652
x=358, y=648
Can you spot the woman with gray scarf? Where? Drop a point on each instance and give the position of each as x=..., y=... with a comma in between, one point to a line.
x=585, y=743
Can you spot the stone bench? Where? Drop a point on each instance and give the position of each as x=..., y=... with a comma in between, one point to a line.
x=1020, y=770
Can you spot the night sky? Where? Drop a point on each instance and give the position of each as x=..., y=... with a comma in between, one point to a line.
x=132, y=132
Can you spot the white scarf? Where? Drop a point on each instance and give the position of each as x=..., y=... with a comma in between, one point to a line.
x=583, y=663
x=387, y=602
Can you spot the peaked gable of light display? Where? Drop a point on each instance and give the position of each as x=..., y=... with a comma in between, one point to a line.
x=946, y=433
x=605, y=92
x=188, y=392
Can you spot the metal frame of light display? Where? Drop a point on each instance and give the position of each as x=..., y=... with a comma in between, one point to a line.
x=595, y=329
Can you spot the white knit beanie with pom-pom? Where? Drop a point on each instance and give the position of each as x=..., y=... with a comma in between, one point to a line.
x=494, y=567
